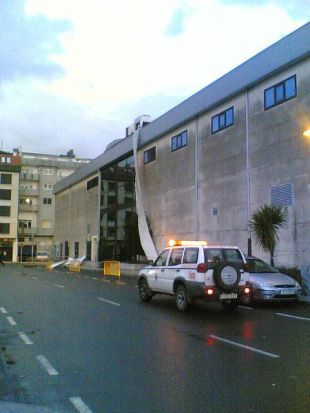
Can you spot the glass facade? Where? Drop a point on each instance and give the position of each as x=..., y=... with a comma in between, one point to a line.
x=119, y=235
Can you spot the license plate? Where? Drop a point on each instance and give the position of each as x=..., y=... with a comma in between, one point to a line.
x=228, y=296
x=288, y=292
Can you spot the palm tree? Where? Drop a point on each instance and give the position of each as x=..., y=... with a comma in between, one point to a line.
x=266, y=223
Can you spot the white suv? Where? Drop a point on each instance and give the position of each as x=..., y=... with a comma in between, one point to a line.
x=192, y=270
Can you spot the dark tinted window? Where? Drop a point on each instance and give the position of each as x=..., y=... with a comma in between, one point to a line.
x=5, y=211
x=280, y=92
x=6, y=179
x=150, y=155
x=222, y=120
x=161, y=259
x=5, y=194
x=4, y=228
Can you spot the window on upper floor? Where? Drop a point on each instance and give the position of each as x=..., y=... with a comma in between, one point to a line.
x=47, y=201
x=48, y=171
x=92, y=183
x=150, y=155
x=5, y=194
x=222, y=120
x=5, y=211
x=179, y=141
x=4, y=228
x=281, y=92
x=6, y=159
x=6, y=179
x=48, y=187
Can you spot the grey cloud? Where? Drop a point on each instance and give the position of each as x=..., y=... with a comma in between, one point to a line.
x=26, y=42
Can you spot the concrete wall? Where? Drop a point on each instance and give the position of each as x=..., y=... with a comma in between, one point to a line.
x=201, y=192
x=76, y=217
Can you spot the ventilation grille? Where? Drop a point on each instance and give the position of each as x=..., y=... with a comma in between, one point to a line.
x=282, y=195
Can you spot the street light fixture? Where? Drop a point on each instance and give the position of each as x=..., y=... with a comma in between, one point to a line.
x=307, y=133
x=29, y=202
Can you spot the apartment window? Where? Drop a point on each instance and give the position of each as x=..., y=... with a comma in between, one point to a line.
x=179, y=141
x=150, y=155
x=5, y=194
x=48, y=172
x=281, y=92
x=4, y=228
x=47, y=186
x=5, y=211
x=76, y=249
x=24, y=224
x=47, y=201
x=222, y=120
x=6, y=179
x=92, y=183
x=6, y=159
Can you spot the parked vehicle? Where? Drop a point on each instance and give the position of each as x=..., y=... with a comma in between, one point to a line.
x=42, y=256
x=190, y=270
x=269, y=284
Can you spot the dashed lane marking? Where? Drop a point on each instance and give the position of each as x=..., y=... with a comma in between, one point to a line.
x=3, y=310
x=11, y=321
x=25, y=339
x=94, y=278
x=80, y=405
x=59, y=285
x=47, y=366
x=234, y=343
x=34, y=278
x=108, y=301
x=293, y=316
x=245, y=307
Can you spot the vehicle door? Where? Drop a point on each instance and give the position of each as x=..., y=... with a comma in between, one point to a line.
x=172, y=270
x=158, y=267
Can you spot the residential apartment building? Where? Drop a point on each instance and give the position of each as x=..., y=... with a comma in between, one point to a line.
x=10, y=165
x=39, y=173
x=207, y=164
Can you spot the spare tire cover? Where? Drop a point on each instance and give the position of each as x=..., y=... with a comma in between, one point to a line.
x=227, y=276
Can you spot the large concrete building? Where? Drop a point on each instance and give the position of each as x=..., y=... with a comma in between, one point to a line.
x=36, y=206
x=210, y=162
x=10, y=165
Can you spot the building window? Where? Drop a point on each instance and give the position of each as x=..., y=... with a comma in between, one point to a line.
x=6, y=159
x=6, y=179
x=282, y=195
x=92, y=183
x=281, y=92
x=150, y=155
x=24, y=224
x=48, y=187
x=76, y=249
x=47, y=201
x=5, y=211
x=222, y=120
x=4, y=228
x=5, y=194
x=179, y=141
x=48, y=172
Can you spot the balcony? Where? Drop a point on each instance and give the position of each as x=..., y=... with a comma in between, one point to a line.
x=45, y=232
x=28, y=192
x=25, y=176
x=28, y=208
x=28, y=231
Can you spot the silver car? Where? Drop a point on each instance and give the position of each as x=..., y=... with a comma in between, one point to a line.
x=270, y=284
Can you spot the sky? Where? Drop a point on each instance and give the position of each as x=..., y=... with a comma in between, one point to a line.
x=75, y=73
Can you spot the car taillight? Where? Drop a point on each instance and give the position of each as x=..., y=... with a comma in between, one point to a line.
x=247, y=290
x=209, y=291
x=202, y=267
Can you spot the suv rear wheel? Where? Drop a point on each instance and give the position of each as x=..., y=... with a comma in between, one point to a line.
x=181, y=298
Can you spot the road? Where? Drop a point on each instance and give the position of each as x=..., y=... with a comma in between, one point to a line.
x=75, y=342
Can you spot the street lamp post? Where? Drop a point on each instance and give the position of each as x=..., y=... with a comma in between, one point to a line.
x=29, y=202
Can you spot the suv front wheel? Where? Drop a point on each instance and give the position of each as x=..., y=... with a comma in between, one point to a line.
x=144, y=291
x=181, y=298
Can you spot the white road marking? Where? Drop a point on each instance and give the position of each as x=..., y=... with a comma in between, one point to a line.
x=120, y=282
x=11, y=321
x=80, y=405
x=106, y=281
x=293, y=316
x=59, y=285
x=94, y=278
x=47, y=366
x=245, y=307
x=108, y=301
x=25, y=339
x=87, y=276
x=34, y=278
x=256, y=350
x=3, y=310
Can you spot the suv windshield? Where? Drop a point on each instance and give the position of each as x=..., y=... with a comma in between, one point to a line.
x=219, y=255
